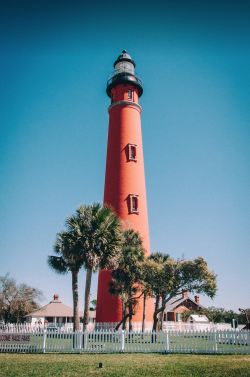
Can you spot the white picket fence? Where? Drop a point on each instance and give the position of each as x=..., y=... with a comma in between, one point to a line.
x=209, y=326
x=13, y=327
x=172, y=341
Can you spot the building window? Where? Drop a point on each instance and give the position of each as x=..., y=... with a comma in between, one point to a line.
x=134, y=203
x=132, y=156
x=112, y=97
x=190, y=305
x=178, y=317
x=182, y=304
x=129, y=94
x=132, y=152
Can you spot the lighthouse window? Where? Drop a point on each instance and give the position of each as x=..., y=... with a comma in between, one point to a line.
x=124, y=67
x=134, y=204
x=133, y=153
x=129, y=94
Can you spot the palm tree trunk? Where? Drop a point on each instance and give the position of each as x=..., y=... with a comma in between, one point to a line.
x=162, y=316
x=144, y=312
x=160, y=321
x=124, y=309
x=75, y=300
x=87, y=298
x=130, y=311
x=155, y=313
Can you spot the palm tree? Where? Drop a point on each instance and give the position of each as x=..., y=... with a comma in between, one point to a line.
x=98, y=242
x=159, y=257
x=93, y=239
x=94, y=303
x=127, y=277
x=69, y=259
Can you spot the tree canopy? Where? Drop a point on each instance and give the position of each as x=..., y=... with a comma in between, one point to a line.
x=168, y=278
x=219, y=315
x=92, y=240
x=17, y=300
x=127, y=276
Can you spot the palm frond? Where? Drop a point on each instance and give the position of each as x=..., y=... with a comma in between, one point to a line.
x=57, y=264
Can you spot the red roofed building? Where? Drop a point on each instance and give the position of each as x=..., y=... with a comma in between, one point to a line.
x=177, y=305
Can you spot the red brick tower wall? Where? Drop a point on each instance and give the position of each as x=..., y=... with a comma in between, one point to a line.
x=124, y=178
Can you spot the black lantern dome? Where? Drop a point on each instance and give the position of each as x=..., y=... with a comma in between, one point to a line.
x=124, y=74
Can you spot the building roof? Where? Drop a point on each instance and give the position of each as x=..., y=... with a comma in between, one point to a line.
x=57, y=309
x=124, y=57
x=198, y=318
x=175, y=301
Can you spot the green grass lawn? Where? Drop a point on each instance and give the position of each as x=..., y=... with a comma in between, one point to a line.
x=123, y=365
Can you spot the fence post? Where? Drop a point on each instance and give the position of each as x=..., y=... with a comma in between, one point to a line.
x=85, y=341
x=215, y=342
x=44, y=340
x=123, y=340
x=80, y=341
x=166, y=340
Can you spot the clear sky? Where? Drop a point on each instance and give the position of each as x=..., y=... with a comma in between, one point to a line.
x=194, y=59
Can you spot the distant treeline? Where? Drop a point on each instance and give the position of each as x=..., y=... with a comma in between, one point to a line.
x=218, y=315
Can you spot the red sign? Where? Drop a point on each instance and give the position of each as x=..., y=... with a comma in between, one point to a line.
x=15, y=338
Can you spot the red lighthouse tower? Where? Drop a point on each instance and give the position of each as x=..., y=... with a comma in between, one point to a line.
x=124, y=188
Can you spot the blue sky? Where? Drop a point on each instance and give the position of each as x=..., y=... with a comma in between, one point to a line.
x=194, y=59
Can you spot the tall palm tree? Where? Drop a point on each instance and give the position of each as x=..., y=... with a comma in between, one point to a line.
x=93, y=239
x=69, y=259
x=98, y=241
x=127, y=277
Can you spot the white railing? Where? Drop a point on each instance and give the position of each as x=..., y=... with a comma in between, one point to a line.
x=171, y=341
x=209, y=326
x=13, y=327
x=137, y=326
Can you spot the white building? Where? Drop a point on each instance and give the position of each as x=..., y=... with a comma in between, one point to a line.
x=55, y=312
x=195, y=318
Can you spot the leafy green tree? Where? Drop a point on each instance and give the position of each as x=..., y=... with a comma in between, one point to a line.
x=159, y=258
x=155, y=277
x=215, y=315
x=17, y=300
x=219, y=315
x=187, y=313
x=127, y=277
x=167, y=280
